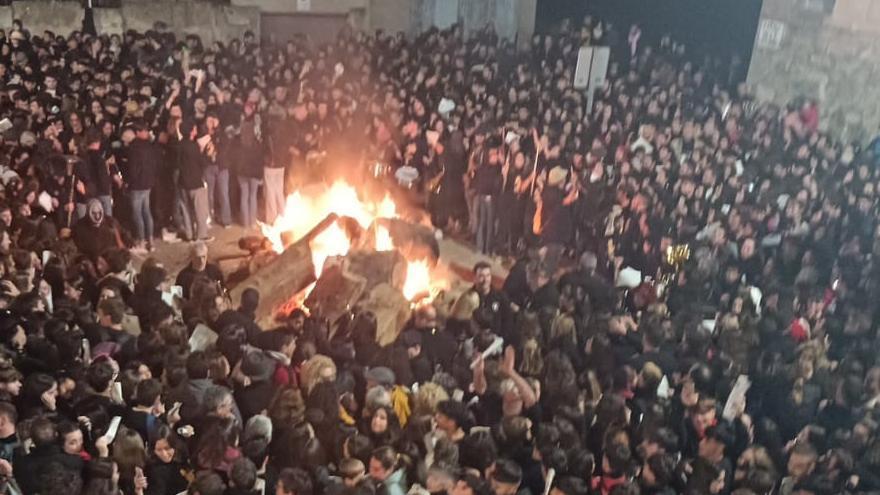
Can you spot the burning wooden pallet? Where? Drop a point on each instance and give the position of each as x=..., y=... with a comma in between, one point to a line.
x=363, y=279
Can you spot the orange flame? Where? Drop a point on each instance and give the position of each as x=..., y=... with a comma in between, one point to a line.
x=383, y=239
x=303, y=210
x=418, y=280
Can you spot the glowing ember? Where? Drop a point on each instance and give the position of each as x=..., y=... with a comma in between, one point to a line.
x=303, y=211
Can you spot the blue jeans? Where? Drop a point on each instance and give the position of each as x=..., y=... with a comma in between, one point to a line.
x=143, y=217
x=484, y=207
x=248, y=198
x=218, y=190
x=107, y=203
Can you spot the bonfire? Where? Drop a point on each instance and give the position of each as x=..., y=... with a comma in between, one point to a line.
x=336, y=250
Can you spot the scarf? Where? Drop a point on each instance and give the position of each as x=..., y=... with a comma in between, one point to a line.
x=400, y=404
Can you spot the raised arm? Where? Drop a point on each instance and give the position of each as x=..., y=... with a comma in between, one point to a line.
x=175, y=92
x=480, y=376
x=508, y=367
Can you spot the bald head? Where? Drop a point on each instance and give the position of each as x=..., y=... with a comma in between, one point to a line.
x=426, y=316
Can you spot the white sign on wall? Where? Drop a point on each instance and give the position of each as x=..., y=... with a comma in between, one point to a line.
x=591, y=69
x=770, y=34
x=592, y=66
x=582, y=69
x=599, y=68
x=303, y=5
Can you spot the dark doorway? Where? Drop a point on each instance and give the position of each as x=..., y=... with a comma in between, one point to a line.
x=320, y=28
x=720, y=28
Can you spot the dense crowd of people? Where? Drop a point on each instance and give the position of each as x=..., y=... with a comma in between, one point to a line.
x=689, y=313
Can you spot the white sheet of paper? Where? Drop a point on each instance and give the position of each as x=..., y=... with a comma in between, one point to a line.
x=726, y=110
x=116, y=393
x=175, y=408
x=663, y=388
x=551, y=475
x=757, y=296
x=709, y=325
x=86, y=351
x=494, y=348
x=738, y=394
x=202, y=337
x=113, y=428
x=168, y=298
x=45, y=201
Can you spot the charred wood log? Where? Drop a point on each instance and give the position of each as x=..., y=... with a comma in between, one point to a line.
x=414, y=241
x=347, y=279
x=280, y=277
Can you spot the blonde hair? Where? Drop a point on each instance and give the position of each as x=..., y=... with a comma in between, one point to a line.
x=815, y=351
x=507, y=385
x=652, y=373
x=317, y=369
x=658, y=309
x=563, y=326
x=532, y=362
x=426, y=399
x=729, y=323
x=465, y=305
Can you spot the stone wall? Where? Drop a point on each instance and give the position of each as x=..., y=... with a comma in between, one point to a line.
x=208, y=20
x=391, y=15
x=323, y=7
x=823, y=49
x=513, y=19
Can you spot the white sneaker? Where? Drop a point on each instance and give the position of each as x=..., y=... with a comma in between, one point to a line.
x=169, y=237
